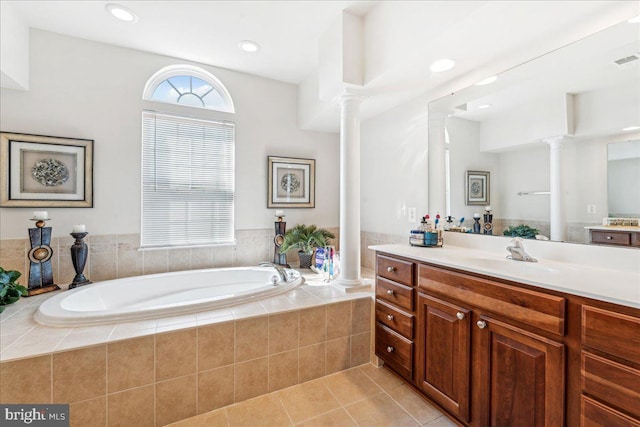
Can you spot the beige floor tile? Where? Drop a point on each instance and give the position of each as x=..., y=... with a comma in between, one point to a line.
x=381, y=376
x=335, y=418
x=441, y=422
x=380, y=410
x=350, y=386
x=216, y=418
x=263, y=411
x=419, y=408
x=308, y=400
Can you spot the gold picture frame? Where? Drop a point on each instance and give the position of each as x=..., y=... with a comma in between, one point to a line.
x=45, y=171
x=291, y=182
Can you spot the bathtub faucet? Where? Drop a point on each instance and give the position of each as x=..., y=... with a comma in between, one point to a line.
x=283, y=274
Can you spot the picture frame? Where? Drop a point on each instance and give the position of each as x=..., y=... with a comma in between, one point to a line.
x=291, y=182
x=45, y=171
x=478, y=188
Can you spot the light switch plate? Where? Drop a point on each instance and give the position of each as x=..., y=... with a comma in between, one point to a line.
x=411, y=214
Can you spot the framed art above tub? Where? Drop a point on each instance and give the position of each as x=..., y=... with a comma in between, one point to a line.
x=291, y=183
x=45, y=171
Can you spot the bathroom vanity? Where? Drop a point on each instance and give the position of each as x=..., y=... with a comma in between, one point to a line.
x=496, y=342
x=615, y=235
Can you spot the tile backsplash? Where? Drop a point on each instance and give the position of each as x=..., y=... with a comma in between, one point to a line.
x=113, y=256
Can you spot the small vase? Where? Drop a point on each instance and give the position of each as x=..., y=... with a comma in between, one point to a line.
x=305, y=259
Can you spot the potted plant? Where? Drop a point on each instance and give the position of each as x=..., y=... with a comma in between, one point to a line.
x=10, y=291
x=523, y=231
x=306, y=239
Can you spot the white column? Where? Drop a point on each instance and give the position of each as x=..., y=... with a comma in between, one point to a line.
x=437, y=171
x=556, y=213
x=350, y=279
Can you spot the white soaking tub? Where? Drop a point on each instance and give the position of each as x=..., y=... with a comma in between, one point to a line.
x=163, y=295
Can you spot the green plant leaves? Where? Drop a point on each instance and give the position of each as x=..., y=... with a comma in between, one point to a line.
x=306, y=238
x=10, y=291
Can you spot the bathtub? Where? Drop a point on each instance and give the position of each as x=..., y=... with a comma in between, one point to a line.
x=162, y=295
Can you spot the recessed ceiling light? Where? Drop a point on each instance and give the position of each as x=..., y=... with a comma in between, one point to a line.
x=631, y=128
x=487, y=81
x=442, y=65
x=484, y=106
x=122, y=13
x=634, y=20
x=249, y=46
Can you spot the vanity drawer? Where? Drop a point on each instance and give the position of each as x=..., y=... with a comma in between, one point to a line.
x=611, y=382
x=595, y=414
x=395, y=293
x=394, y=350
x=611, y=237
x=536, y=309
x=395, y=319
x=394, y=269
x=612, y=333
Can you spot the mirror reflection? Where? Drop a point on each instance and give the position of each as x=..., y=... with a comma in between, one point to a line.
x=623, y=175
x=543, y=132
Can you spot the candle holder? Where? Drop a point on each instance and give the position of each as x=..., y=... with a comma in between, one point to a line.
x=40, y=268
x=79, y=251
x=280, y=228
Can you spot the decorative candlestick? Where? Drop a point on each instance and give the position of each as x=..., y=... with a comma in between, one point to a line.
x=476, y=224
x=79, y=252
x=40, y=268
x=280, y=228
x=488, y=219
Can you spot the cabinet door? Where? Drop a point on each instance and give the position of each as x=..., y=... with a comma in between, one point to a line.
x=443, y=354
x=520, y=377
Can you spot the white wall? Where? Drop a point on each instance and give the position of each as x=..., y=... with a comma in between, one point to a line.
x=83, y=89
x=394, y=168
x=465, y=154
x=14, y=49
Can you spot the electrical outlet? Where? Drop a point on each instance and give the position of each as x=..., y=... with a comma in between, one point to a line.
x=591, y=209
x=411, y=214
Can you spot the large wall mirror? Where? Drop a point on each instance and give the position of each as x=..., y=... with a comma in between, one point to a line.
x=543, y=131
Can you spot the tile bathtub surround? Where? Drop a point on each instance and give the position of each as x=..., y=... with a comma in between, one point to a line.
x=113, y=256
x=212, y=365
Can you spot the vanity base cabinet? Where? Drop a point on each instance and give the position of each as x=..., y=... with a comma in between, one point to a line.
x=444, y=354
x=519, y=376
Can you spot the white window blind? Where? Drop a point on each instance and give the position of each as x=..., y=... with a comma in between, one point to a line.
x=187, y=181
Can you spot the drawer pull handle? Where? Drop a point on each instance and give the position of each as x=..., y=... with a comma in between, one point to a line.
x=391, y=269
x=390, y=349
x=389, y=317
x=609, y=237
x=460, y=315
x=390, y=292
x=481, y=324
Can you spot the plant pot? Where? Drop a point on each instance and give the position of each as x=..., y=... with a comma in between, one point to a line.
x=305, y=259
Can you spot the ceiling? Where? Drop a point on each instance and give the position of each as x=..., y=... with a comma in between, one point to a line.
x=401, y=38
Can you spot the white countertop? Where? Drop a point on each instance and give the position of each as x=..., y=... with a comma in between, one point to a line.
x=612, y=285
x=614, y=228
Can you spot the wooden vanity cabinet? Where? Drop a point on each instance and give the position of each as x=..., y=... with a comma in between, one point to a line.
x=491, y=352
x=394, y=327
x=476, y=361
x=610, y=368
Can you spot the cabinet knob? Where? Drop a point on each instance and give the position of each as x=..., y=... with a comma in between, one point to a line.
x=390, y=349
x=609, y=237
x=390, y=292
x=389, y=316
x=481, y=324
x=460, y=315
x=391, y=269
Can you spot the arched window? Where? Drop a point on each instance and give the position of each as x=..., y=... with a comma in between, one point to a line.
x=187, y=162
x=189, y=86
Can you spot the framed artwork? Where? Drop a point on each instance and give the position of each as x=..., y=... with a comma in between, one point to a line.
x=477, y=190
x=291, y=183
x=45, y=171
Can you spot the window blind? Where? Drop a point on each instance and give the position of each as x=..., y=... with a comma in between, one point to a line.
x=187, y=181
